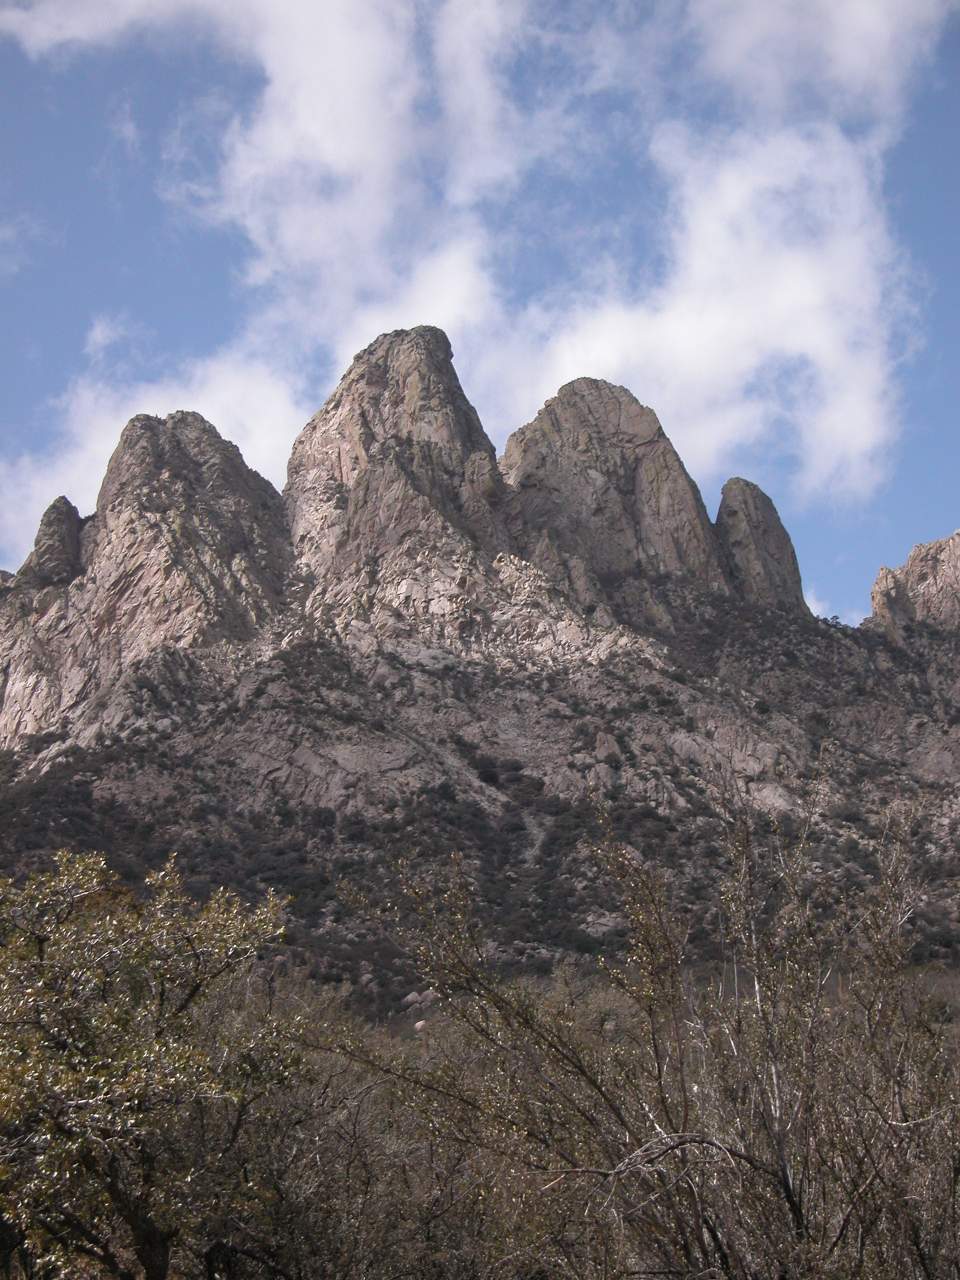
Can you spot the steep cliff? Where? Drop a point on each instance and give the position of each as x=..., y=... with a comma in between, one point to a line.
x=603, y=503
x=759, y=556
x=397, y=443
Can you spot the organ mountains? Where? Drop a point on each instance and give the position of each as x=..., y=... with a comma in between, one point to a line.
x=418, y=647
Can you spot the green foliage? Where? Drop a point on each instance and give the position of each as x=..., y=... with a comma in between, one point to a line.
x=172, y=1109
x=129, y=1064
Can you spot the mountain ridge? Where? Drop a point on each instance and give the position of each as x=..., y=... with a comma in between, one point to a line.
x=418, y=647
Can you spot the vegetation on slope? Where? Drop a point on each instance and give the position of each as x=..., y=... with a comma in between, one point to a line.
x=175, y=1101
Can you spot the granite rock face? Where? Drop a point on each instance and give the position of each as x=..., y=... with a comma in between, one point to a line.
x=394, y=496
x=924, y=590
x=397, y=428
x=204, y=533
x=602, y=502
x=187, y=546
x=402, y=519
x=759, y=556
x=397, y=526
x=55, y=558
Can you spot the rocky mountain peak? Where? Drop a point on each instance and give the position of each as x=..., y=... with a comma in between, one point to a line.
x=180, y=498
x=403, y=386
x=394, y=466
x=758, y=553
x=926, y=589
x=188, y=545
x=443, y=653
x=397, y=523
x=182, y=452
x=55, y=558
x=602, y=494
x=605, y=416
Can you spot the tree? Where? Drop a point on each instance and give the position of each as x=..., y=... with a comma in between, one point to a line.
x=795, y=1113
x=131, y=1068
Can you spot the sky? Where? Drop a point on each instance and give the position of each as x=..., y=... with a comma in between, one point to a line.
x=746, y=213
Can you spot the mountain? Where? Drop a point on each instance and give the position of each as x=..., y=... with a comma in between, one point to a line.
x=419, y=647
x=924, y=591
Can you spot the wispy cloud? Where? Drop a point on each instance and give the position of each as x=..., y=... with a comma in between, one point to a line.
x=104, y=333
x=123, y=126
x=776, y=315
x=400, y=160
x=816, y=603
x=853, y=60
x=17, y=234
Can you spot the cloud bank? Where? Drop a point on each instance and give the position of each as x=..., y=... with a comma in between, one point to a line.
x=688, y=201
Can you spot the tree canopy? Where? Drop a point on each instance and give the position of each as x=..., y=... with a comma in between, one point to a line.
x=130, y=1067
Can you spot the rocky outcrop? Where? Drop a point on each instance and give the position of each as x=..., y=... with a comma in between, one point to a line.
x=394, y=498
x=187, y=546
x=759, y=557
x=924, y=590
x=603, y=503
x=55, y=559
x=397, y=524
x=400, y=515
x=188, y=543
x=397, y=443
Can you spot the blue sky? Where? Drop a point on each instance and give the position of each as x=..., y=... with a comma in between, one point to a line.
x=745, y=213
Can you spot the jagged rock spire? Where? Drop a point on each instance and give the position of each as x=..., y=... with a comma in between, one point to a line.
x=758, y=553
x=396, y=455
x=395, y=470
x=204, y=535
x=396, y=515
x=187, y=546
x=402, y=386
x=55, y=558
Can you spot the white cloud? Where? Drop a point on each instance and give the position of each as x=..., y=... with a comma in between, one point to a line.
x=42, y=26
x=777, y=312
x=487, y=139
x=855, y=57
x=398, y=155
x=104, y=333
x=816, y=603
